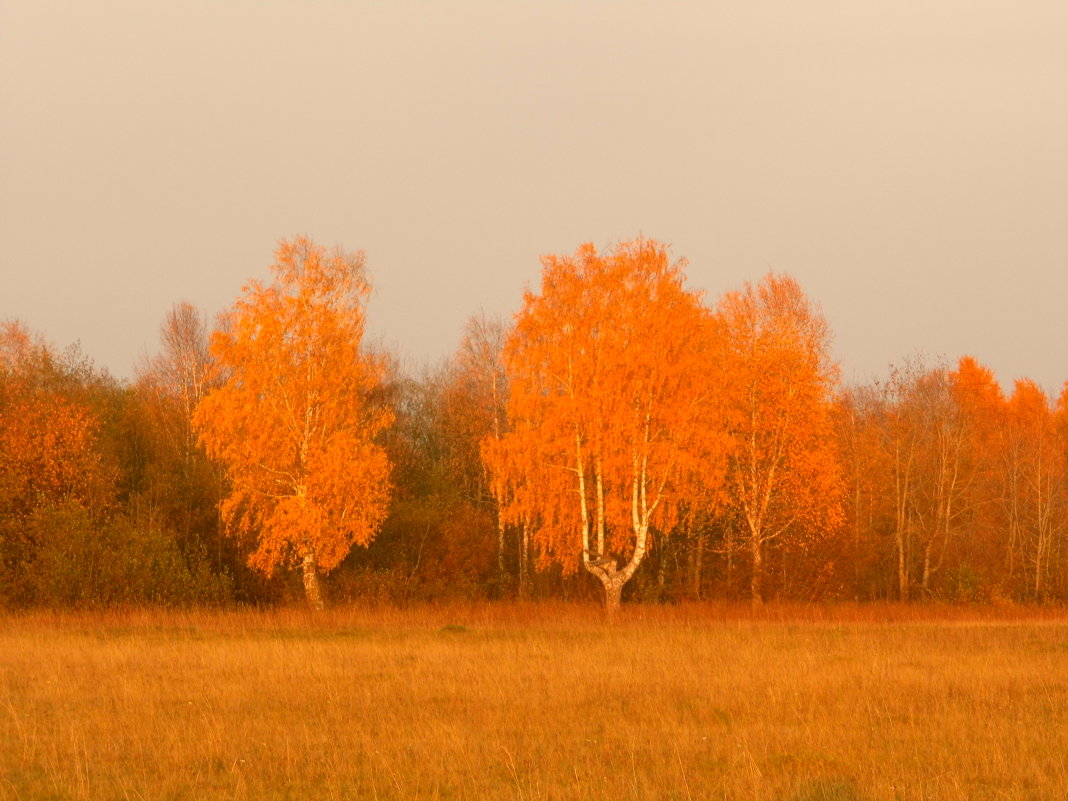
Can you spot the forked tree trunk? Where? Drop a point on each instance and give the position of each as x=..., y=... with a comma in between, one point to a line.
x=612, y=580
x=312, y=589
x=613, y=598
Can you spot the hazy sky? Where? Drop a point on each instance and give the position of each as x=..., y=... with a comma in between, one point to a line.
x=906, y=161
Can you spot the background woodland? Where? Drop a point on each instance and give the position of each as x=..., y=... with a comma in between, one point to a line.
x=776, y=480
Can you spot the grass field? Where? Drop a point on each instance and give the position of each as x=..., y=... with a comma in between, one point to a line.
x=536, y=702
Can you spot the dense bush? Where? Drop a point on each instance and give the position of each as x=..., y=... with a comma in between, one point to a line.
x=76, y=560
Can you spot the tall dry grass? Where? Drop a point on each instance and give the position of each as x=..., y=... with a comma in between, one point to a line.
x=537, y=701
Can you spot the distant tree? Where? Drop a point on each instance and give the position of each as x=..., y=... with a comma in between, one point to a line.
x=473, y=407
x=295, y=419
x=784, y=477
x=942, y=496
x=71, y=532
x=865, y=465
x=180, y=371
x=612, y=410
x=935, y=435
x=48, y=435
x=958, y=491
x=439, y=538
x=1035, y=490
x=982, y=410
x=182, y=482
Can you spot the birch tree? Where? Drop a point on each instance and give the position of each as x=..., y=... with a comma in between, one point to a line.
x=294, y=420
x=613, y=412
x=784, y=475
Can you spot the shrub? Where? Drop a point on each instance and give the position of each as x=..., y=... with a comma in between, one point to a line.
x=77, y=560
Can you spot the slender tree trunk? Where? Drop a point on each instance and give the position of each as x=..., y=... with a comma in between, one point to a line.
x=857, y=507
x=698, y=565
x=755, y=590
x=312, y=589
x=900, y=535
x=524, y=561
x=1038, y=571
x=1042, y=543
x=1014, y=521
x=925, y=583
x=902, y=568
x=902, y=493
x=661, y=570
x=500, y=544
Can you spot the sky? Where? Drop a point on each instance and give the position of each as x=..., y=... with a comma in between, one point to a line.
x=906, y=162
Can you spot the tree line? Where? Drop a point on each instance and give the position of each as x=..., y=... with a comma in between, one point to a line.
x=620, y=437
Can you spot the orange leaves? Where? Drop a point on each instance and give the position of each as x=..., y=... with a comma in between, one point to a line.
x=962, y=484
x=18, y=347
x=611, y=406
x=1036, y=458
x=981, y=402
x=294, y=420
x=631, y=403
x=784, y=476
x=1029, y=410
x=48, y=441
x=780, y=381
x=47, y=448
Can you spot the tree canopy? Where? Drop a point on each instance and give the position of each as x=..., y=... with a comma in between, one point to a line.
x=295, y=417
x=621, y=433
x=613, y=408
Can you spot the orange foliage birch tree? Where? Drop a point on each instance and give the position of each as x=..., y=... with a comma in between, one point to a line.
x=473, y=408
x=169, y=387
x=612, y=409
x=784, y=474
x=860, y=414
x=1036, y=470
x=294, y=419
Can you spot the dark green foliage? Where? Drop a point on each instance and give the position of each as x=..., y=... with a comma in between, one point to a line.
x=78, y=561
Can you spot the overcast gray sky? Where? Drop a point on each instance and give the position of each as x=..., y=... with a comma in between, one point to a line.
x=907, y=162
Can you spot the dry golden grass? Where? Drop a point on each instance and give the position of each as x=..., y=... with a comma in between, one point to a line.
x=537, y=702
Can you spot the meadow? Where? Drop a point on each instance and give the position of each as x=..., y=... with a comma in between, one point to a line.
x=536, y=701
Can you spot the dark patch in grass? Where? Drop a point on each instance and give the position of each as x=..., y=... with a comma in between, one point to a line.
x=828, y=790
x=353, y=634
x=145, y=632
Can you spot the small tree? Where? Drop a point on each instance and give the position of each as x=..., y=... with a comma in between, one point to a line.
x=50, y=453
x=180, y=481
x=473, y=404
x=1037, y=467
x=294, y=419
x=784, y=476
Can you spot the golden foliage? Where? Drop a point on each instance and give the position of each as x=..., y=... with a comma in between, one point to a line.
x=48, y=441
x=612, y=405
x=785, y=476
x=294, y=420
